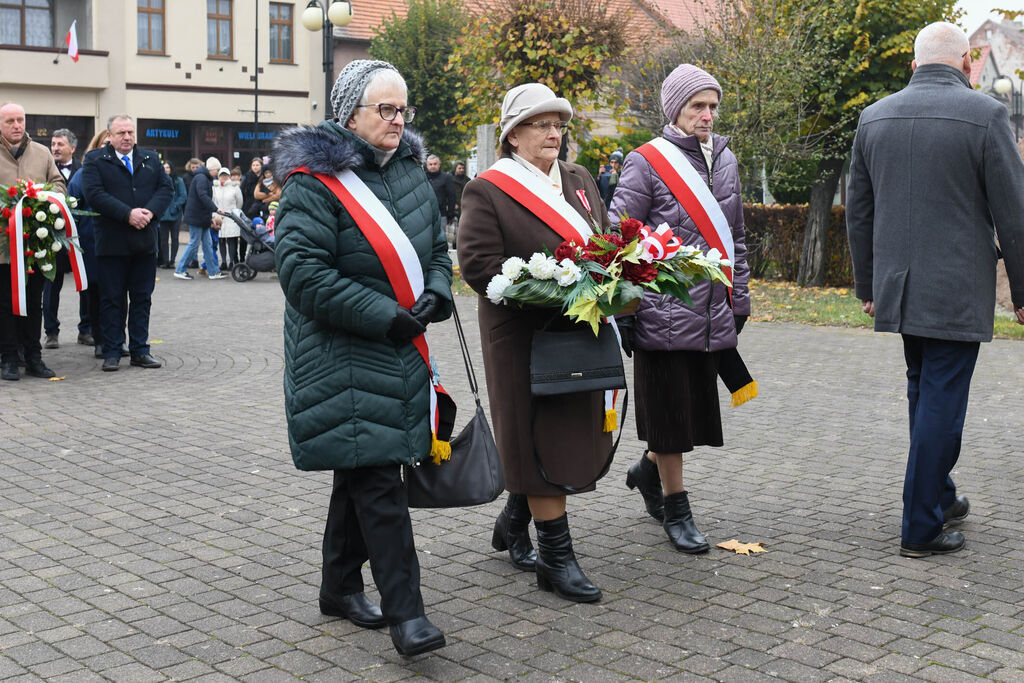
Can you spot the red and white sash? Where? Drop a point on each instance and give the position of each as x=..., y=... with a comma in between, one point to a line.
x=682, y=179
x=16, y=236
x=403, y=270
x=539, y=198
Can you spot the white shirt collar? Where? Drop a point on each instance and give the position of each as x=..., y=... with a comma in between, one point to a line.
x=554, y=176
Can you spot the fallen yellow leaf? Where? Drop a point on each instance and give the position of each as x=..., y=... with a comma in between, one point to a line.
x=743, y=548
x=57, y=379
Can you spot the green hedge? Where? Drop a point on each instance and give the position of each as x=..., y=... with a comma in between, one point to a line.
x=775, y=236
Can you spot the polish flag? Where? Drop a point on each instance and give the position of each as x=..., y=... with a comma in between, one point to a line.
x=72, y=41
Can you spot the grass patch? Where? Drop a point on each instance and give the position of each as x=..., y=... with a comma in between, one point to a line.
x=836, y=306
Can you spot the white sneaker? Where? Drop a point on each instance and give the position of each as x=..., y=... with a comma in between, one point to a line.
x=218, y=276
x=183, y=276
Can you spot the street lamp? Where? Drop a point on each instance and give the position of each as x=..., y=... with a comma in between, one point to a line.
x=1004, y=86
x=315, y=18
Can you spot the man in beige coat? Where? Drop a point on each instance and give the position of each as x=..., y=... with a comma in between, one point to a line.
x=20, y=157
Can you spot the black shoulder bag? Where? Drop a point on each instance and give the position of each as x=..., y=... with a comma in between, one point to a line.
x=473, y=475
x=577, y=361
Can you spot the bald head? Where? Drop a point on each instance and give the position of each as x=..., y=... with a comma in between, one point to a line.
x=12, y=122
x=942, y=43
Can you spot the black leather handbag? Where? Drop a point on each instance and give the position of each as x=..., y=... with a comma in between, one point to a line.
x=473, y=475
x=576, y=360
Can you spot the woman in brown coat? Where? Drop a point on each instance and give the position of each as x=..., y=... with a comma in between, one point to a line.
x=564, y=432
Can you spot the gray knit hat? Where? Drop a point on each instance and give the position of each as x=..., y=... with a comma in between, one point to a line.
x=685, y=81
x=351, y=83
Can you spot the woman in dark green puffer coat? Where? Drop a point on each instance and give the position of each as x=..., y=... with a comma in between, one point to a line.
x=356, y=389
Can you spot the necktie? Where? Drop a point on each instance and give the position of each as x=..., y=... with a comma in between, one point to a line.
x=127, y=162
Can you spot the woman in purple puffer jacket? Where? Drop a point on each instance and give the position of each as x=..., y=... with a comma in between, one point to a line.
x=677, y=346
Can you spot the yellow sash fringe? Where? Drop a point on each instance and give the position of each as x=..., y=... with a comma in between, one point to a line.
x=440, y=450
x=611, y=420
x=744, y=394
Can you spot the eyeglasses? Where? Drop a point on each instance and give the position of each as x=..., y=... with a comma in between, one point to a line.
x=388, y=112
x=543, y=126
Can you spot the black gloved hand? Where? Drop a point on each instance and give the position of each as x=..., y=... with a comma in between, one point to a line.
x=425, y=307
x=627, y=332
x=404, y=327
x=740, y=320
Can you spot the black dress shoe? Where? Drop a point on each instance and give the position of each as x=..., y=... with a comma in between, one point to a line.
x=86, y=339
x=51, y=342
x=146, y=361
x=356, y=607
x=416, y=636
x=957, y=512
x=37, y=368
x=943, y=544
x=10, y=371
x=111, y=364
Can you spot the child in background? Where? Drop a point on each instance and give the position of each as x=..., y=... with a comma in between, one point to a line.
x=272, y=209
x=262, y=231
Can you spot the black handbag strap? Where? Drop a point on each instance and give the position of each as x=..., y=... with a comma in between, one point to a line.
x=565, y=488
x=466, y=358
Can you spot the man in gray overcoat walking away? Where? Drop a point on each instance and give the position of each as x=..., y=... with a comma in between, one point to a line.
x=934, y=169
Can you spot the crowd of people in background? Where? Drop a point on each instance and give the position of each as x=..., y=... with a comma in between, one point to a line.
x=131, y=208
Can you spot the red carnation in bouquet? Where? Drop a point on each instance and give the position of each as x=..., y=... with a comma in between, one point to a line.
x=639, y=273
x=629, y=228
x=567, y=249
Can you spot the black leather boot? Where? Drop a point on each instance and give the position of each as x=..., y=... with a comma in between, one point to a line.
x=557, y=569
x=644, y=475
x=680, y=527
x=512, y=532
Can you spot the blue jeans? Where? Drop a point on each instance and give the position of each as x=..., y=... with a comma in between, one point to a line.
x=195, y=235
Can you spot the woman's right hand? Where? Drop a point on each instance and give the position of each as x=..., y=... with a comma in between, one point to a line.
x=627, y=333
x=405, y=327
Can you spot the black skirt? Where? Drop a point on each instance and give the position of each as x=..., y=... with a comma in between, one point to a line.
x=677, y=400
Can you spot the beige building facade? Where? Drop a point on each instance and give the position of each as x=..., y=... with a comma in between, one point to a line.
x=191, y=72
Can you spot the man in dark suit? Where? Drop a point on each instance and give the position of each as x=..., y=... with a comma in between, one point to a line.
x=934, y=176
x=62, y=145
x=129, y=189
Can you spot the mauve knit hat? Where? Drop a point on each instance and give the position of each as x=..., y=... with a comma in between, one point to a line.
x=685, y=81
x=351, y=83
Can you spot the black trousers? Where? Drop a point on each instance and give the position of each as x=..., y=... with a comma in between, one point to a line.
x=134, y=276
x=17, y=330
x=51, y=305
x=368, y=519
x=167, y=242
x=228, y=252
x=939, y=375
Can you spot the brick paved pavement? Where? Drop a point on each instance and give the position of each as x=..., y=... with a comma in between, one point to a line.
x=152, y=527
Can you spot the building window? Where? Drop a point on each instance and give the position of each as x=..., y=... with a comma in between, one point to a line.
x=280, y=32
x=218, y=28
x=26, y=22
x=151, y=27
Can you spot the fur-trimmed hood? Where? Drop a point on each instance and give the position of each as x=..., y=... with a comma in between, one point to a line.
x=328, y=148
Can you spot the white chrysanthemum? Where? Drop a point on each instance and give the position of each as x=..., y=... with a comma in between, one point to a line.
x=496, y=288
x=72, y=202
x=513, y=267
x=54, y=209
x=56, y=246
x=41, y=233
x=542, y=267
x=45, y=267
x=688, y=250
x=41, y=254
x=59, y=224
x=40, y=216
x=568, y=273
x=713, y=254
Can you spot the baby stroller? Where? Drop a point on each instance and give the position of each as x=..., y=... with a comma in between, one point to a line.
x=259, y=256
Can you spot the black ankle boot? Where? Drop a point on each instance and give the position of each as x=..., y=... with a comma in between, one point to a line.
x=680, y=527
x=512, y=532
x=644, y=475
x=557, y=569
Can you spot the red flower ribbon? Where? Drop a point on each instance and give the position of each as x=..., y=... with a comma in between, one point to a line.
x=660, y=244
